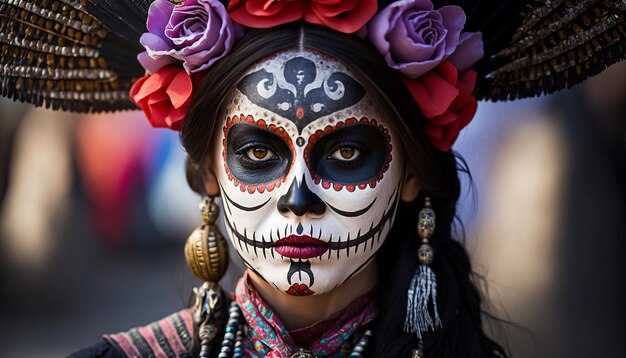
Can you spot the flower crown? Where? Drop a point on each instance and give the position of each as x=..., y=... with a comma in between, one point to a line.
x=425, y=45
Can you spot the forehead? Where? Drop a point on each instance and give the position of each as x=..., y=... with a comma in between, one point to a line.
x=300, y=90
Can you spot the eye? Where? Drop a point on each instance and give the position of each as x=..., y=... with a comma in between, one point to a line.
x=345, y=154
x=260, y=154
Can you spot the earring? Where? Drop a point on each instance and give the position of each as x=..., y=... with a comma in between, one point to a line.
x=206, y=250
x=206, y=253
x=423, y=286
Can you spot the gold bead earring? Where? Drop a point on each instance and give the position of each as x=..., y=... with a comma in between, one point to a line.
x=206, y=250
x=206, y=253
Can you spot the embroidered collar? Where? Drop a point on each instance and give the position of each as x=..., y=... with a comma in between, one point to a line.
x=268, y=337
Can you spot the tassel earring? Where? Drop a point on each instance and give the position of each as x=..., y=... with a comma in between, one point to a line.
x=423, y=288
x=206, y=253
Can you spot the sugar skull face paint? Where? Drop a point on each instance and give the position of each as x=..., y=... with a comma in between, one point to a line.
x=309, y=172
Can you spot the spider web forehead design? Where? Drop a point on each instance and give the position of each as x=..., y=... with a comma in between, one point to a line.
x=301, y=89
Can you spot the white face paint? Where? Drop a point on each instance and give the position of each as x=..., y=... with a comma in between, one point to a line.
x=309, y=172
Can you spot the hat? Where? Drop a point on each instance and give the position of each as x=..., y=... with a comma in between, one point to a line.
x=80, y=55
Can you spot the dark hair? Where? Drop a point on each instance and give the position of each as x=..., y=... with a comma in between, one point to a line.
x=459, y=299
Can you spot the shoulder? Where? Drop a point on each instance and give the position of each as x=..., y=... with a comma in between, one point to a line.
x=171, y=336
x=101, y=350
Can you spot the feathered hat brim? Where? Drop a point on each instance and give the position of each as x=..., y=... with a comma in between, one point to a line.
x=80, y=55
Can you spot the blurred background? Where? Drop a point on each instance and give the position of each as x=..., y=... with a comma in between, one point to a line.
x=95, y=210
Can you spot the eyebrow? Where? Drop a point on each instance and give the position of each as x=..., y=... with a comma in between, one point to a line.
x=258, y=123
x=346, y=123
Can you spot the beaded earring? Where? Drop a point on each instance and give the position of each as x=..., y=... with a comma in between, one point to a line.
x=206, y=253
x=206, y=250
x=422, y=291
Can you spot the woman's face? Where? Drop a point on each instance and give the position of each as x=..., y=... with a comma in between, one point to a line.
x=309, y=171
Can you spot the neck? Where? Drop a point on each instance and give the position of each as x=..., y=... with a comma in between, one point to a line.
x=301, y=311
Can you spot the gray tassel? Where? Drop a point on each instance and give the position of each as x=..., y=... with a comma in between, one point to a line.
x=423, y=287
x=422, y=290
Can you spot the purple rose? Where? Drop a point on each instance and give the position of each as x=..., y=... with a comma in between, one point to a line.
x=414, y=38
x=469, y=51
x=196, y=32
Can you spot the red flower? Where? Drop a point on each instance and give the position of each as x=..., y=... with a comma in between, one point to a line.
x=164, y=96
x=445, y=98
x=343, y=16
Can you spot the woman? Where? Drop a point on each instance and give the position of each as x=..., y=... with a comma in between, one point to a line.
x=331, y=153
x=325, y=257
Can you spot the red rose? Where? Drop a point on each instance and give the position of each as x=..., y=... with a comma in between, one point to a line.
x=445, y=98
x=164, y=96
x=343, y=16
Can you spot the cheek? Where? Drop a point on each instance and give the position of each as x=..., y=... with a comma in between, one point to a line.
x=362, y=204
x=240, y=200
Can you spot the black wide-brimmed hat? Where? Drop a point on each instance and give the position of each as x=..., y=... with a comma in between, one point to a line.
x=80, y=55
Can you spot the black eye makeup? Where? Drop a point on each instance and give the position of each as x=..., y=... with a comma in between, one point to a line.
x=260, y=154
x=353, y=155
x=347, y=153
x=257, y=154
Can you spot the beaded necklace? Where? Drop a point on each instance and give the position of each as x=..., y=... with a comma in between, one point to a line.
x=232, y=344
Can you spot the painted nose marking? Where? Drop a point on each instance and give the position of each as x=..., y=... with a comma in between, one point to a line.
x=300, y=200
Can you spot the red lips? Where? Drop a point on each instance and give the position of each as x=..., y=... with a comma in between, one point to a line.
x=300, y=247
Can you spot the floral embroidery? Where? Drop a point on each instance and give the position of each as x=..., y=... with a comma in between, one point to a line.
x=268, y=337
